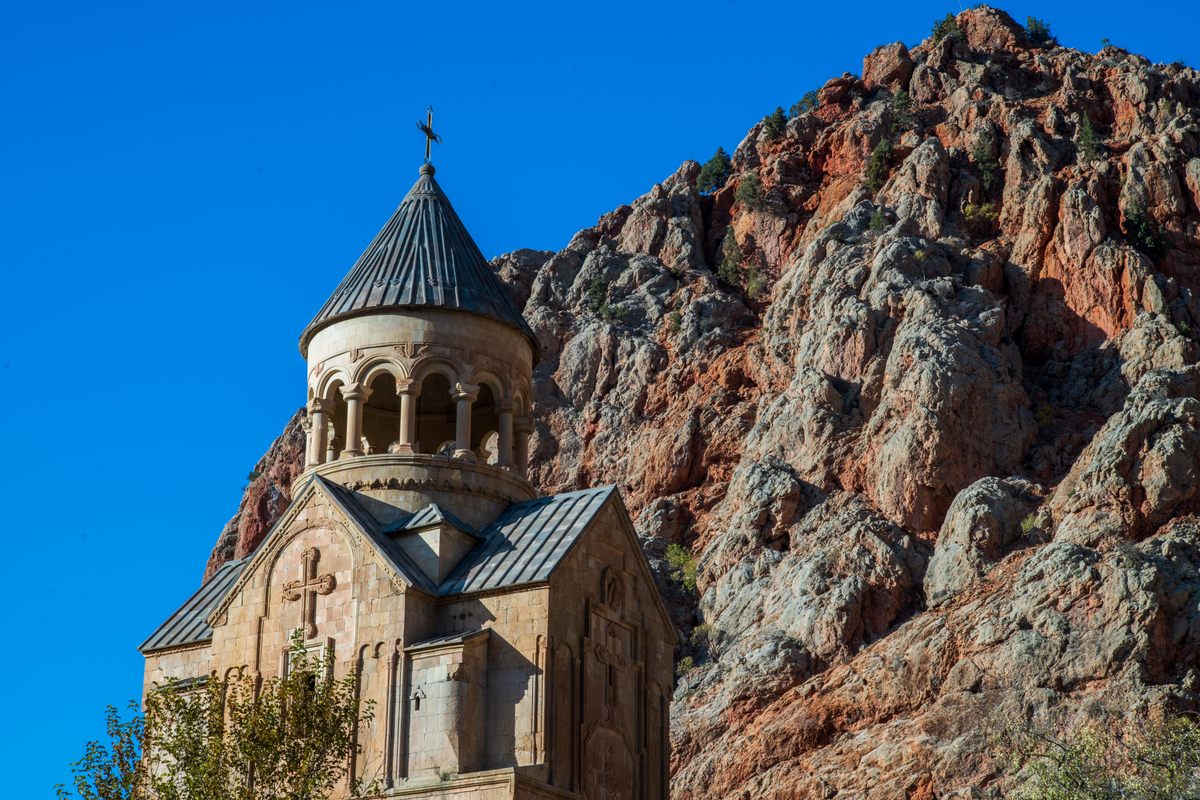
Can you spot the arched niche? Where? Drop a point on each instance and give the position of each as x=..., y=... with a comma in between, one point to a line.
x=381, y=413
x=485, y=421
x=336, y=436
x=435, y=413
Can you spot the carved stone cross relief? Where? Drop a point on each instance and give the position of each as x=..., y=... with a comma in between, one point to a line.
x=307, y=588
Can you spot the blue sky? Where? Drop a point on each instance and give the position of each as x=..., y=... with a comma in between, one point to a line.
x=182, y=185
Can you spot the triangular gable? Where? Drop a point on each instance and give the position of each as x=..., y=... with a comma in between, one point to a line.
x=432, y=514
x=359, y=522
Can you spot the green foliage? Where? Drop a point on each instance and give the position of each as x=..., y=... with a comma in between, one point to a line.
x=1029, y=524
x=1039, y=32
x=981, y=219
x=730, y=269
x=1086, y=140
x=984, y=158
x=1142, y=760
x=879, y=222
x=755, y=282
x=714, y=173
x=674, y=321
x=704, y=639
x=597, y=293
x=290, y=737
x=902, y=115
x=1044, y=416
x=807, y=103
x=683, y=566
x=1143, y=233
x=1105, y=42
x=112, y=772
x=685, y=665
x=775, y=124
x=253, y=475
x=877, y=165
x=946, y=27
x=750, y=192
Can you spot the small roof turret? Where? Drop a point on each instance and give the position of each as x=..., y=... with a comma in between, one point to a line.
x=423, y=258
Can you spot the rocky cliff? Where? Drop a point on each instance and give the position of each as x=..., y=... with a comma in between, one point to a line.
x=933, y=435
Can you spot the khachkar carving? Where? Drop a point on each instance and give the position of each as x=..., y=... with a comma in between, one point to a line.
x=307, y=588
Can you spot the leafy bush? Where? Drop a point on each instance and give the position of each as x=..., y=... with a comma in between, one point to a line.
x=683, y=566
x=807, y=103
x=597, y=294
x=1143, y=233
x=879, y=221
x=755, y=282
x=1039, y=32
x=986, y=162
x=714, y=173
x=981, y=218
x=946, y=27
x=685, y=665
x=1086, y=140
x=1141, y=760
x=877, y=166
x=750, y=192
x=775, y=124
x=674, y=321
x=902, y=115
x=1029, y=524
x=730, y=268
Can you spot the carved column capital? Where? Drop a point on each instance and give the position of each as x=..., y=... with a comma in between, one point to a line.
x=465, y=391
x=407, y=386
x=320, y=406
x=356, y=391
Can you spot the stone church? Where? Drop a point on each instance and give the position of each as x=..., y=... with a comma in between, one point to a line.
x=515, y=646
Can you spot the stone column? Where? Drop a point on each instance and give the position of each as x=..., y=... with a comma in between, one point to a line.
x=318, y=434
x=355, y=395
x=408, y=391
x=464, y=394
x=524, y=427
x=504, y=446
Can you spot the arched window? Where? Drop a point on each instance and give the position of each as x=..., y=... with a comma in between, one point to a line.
x=336, y=436
x=485, y=422
x=381, y=414
x=435, y=414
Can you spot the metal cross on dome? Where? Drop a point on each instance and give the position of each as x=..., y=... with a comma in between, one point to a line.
x=426, y=128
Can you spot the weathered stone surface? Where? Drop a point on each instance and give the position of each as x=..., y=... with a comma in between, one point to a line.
x=980, y=525
x=888, y=66
x=850, y=450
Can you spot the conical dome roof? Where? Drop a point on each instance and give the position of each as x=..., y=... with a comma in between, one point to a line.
x=423, y=258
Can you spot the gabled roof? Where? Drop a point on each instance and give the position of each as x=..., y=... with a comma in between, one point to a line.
x=399, y=560
x=523, y=546
x=423, y=258
x=526, y=542
x=189, y=625
x=432, y=514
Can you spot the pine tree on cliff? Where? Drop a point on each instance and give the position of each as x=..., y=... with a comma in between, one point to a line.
x=714, y=173
x=775, y=124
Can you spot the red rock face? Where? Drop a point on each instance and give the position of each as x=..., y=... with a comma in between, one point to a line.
x=935, y=442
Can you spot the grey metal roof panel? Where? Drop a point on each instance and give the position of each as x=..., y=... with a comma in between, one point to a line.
x=431, y=514
x=423, y=258
x=449, y=638
x=526, y=542
x=189, y=624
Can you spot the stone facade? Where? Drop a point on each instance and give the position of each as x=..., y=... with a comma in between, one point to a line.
x=513, y=646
